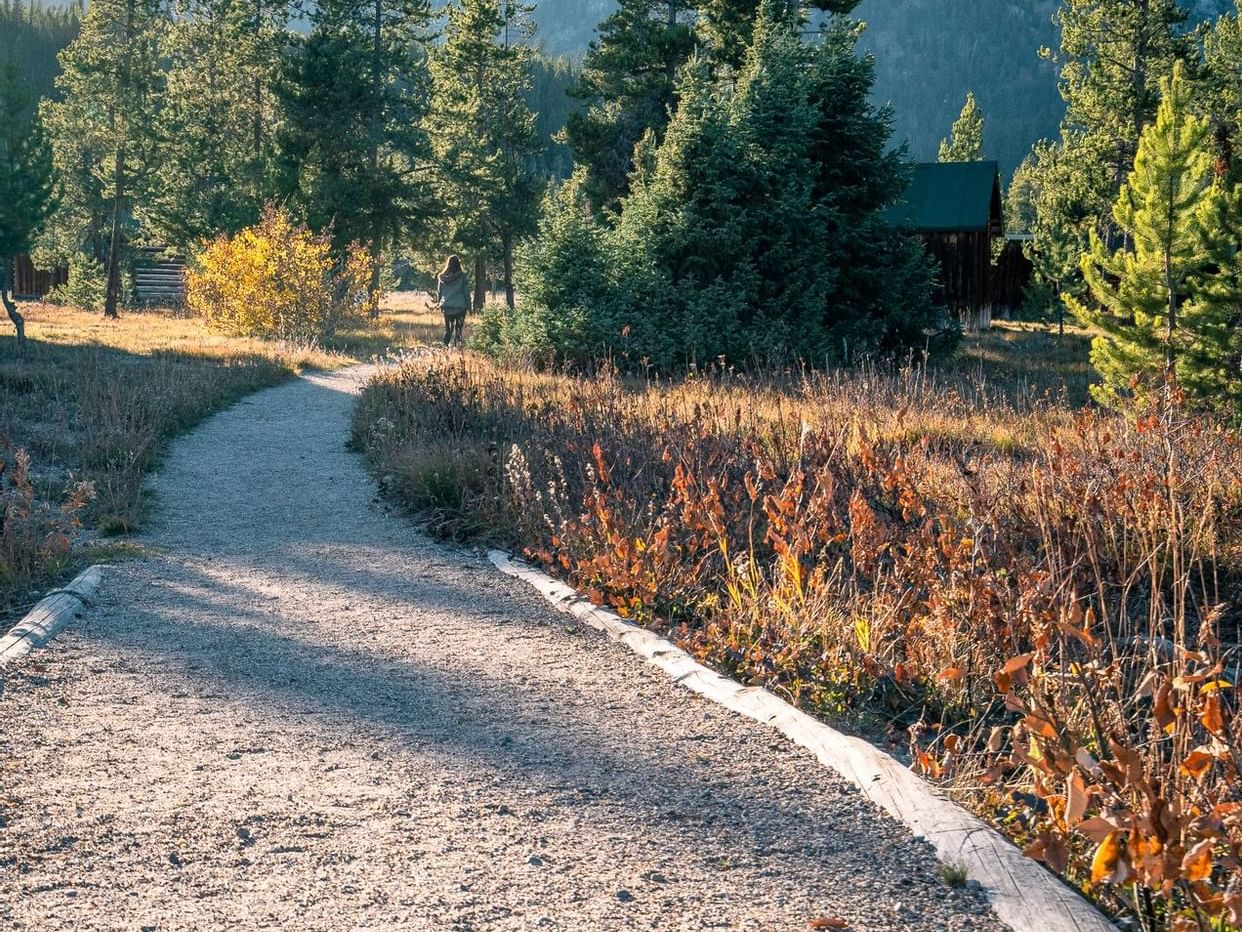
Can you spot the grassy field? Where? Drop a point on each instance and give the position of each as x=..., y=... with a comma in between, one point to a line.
x=88, y=409
x=1037, y=602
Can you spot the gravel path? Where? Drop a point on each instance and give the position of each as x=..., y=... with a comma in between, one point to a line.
x=299, y=714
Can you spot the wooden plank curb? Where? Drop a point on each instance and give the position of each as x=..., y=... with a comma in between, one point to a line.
x=1022, y=893
x=49, y=616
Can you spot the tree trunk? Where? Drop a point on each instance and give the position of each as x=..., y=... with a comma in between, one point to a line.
x=10, y=307
x=480, y=284
x=507, y=245
x=112, y=297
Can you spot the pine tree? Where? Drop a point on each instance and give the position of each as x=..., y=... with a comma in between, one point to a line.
x=104, y=129
x=1222, y=52
x=1211, y=366
x=965, y=142
x=1114, y=56
x=484, y=133
x=354, y=150
x=1051, y=197
x=1149, y=322
x=628, y=86
x=25, y=182
x=220, y=120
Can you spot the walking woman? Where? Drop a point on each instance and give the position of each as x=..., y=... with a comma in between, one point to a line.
x=453, y=298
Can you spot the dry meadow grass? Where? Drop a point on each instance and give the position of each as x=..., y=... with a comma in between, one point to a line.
x=89, y=407
x=1037, y=602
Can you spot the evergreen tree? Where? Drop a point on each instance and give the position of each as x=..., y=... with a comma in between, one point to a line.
x=25, y=182
x=755, y=227
x=1051, y=197
x=220, y=120
x=880, y=294
x=628, y=86
x=484, y=133
x=965, y=142
x=727, y=25
x=570, y=288
x=1114, y=56
x=104, y=129
x=354, y=151
x=1149, y=320
x=1223, y=86
x=1211, y=362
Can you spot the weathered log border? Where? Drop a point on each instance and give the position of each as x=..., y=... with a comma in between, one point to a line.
x=1022, y=893
x=49, y=616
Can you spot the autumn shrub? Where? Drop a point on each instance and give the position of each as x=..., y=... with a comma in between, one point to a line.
x=1038, y=598
x=280, y=281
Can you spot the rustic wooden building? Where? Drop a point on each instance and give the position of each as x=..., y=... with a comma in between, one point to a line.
x=955, y=207
x=30, y=282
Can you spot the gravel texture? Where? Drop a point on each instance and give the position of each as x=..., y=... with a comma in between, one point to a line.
x=298, y=713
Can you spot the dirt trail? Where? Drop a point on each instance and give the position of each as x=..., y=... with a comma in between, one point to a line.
x=300, y=714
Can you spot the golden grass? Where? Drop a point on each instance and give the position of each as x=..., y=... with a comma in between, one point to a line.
x=96, y=401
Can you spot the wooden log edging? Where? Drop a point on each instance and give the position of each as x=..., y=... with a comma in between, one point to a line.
x=49, y=616
x=1023, y=894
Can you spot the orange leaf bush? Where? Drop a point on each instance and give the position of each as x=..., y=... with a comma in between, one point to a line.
x=1047, y=617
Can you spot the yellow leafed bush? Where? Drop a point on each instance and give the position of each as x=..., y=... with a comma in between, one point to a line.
x=278, y=280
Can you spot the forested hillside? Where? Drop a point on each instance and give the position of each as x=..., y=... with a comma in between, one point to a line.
x=30, y=37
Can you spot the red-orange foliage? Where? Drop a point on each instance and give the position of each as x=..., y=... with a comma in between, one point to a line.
x=1048, y=618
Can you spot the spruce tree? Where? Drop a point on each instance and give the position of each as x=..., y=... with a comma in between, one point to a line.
x=1144, y=309
x=880, y=294
x=965, y=142
x=727, y=25
x=220, y=120
x=484, y=133
x=25, y=182
x=103, y=130
x=354, y=152
x=627, y=87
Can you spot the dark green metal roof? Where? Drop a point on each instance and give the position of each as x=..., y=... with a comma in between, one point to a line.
x=947, y=197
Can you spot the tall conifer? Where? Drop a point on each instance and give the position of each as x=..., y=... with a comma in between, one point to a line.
x=103, y=129
x=484, y=132
x=1151, y=322
x=354, y=151
x=965, y=142
x=628, y=86
x=220, y=119
x=25, y=181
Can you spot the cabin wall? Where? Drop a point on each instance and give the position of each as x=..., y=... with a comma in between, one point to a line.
x=30, y=282
x=965, y=281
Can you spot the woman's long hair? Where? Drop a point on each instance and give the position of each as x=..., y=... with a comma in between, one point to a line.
x=452, y=267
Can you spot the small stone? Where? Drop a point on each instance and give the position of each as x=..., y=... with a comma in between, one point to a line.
x=625, y=896
x=535, y=861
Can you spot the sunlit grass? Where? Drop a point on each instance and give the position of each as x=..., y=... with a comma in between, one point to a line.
x=95, y=400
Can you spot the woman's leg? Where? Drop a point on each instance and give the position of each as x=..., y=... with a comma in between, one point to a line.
x=459, y=326
x=448, y=328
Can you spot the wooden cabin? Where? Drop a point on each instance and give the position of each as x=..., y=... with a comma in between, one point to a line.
x=955, y=207
x=32, y=283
